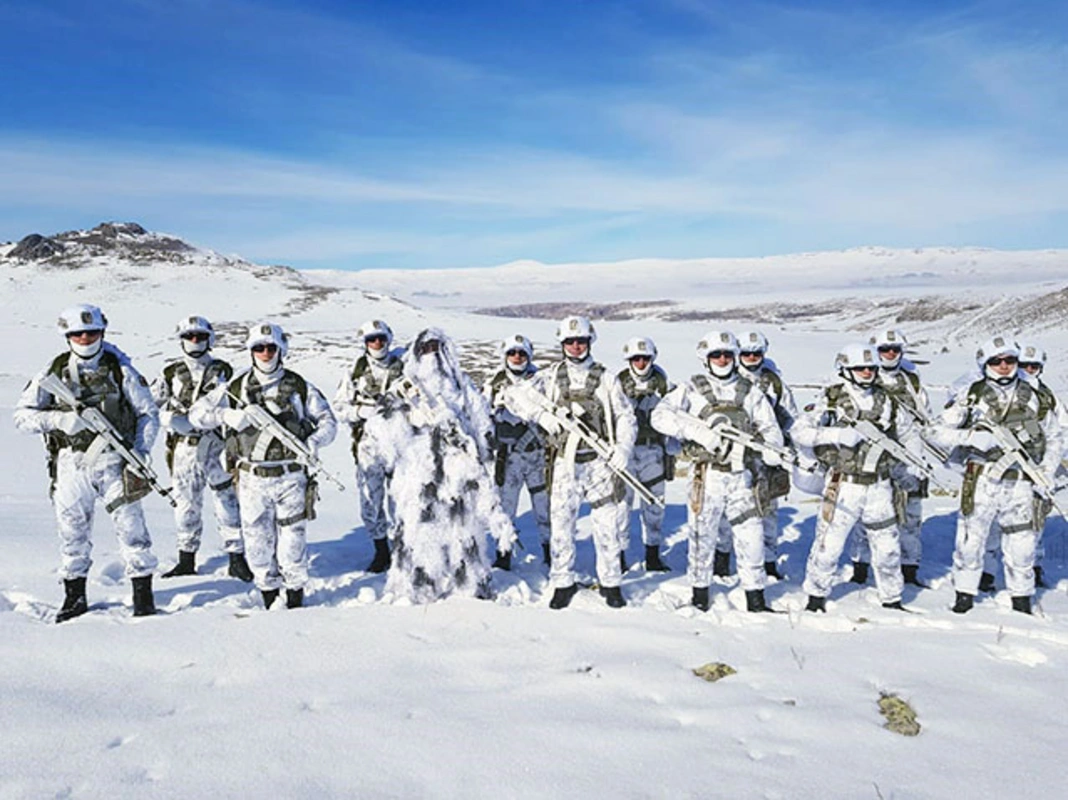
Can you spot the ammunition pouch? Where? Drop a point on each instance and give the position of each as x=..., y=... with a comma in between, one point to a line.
x=1040, y=508
x=778, y=481
x=134, y=487
x=669, y=468
x=500, y=465
x=972, y=470
x=901, y=502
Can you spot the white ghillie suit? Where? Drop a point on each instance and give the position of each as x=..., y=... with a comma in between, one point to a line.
x=272, y=485
x=721, y=482
x=995, y=490
x=357, y=401
x=195, y=457
x=81, y=474
x=433, y=435
x=903, y=385
x=858, y=486
x=520, y=455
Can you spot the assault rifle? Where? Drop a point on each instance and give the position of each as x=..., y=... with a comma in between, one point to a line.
x=876, y=436
x=1016, y=453
x=94, y=419
x=264, y=422
x=750, y=441
x=570, y=422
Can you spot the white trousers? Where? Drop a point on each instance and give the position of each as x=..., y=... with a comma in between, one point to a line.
x=1009, y=505
x=595, y=483
x=527, y=469
x=727, y=499
x=647, y=465
x=198, y=467
x=274, y=526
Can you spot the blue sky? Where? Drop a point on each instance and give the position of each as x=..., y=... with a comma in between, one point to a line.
x=412, y=134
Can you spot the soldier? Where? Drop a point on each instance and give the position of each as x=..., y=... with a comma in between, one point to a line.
x=579, y=387
x=700, y=412
x=653, y=462
x=1010, y=440
x=82, y=467
x=859, y=467
x=519, y=458
x=195, y=458
x=357, y=401
x=274, y=489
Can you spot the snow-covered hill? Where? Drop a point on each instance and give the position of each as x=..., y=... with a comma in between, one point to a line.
x=357, y=696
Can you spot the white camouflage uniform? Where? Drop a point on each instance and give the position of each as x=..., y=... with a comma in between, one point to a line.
x=727, y=478
x=1002, y=494
x=272, y=486
x=521, y=446
x=864, y=494
x=197, y=460
x=82, y=474
x=356, y=402
x=577, y=472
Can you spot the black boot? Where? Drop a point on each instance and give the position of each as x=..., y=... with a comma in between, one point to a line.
x=896, y=605
x=754, y=601
x=186, y=565
x=816, y=604
x=562, y=596
x=143, y=602
x=700, y=599
x=239, y=568
x=75, y=604
x=546, y=554
x=986, y=582
x=860, y=572
x=503, y=561
x=964, y=603
x=382, y=560
x=721, y=564
x=1039, y=579
x=622, y=562
x=910, y=573
x=1022, y=604
x=771, y=569
x=294, y=598
x=613, y=596
x=653, y=563
x=269, y=596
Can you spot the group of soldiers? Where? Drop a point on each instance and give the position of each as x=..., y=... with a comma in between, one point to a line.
x=576, y=431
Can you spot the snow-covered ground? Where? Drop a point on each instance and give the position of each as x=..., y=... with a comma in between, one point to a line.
x=355, y=696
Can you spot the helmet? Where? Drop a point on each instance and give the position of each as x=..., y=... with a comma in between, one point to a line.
x=640, y=346
x=1001, y=345
x=82, y=317
x=714, y=341
x=375, y=327
x=187, y=325
x=1032, y=354
x=889, y=338
x=575, y=327
x=752, y=342
x=853, y=356
x=513, y=343
x=268, y=333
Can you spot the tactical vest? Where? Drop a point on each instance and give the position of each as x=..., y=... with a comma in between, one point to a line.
x=733, y=409
x=585, y=397
x=185, y=390
x=1023, y=416
x=247, y=444
x=904, y=389
x=841, y=407
x=644, y=399
x=102, y=388
x=506, y=432
x=770, y=383
x=370, y=388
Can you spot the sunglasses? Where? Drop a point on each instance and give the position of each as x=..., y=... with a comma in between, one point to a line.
x=751, y=354
x=576, y=340
x=511, y=353
x=80, y=334
x=889, y=348
x=264, y=348
x=718, y=354
x=381, y=338
x=195, y=336
x=863, y=368
x=643, y=359
x=997, y=361
x=1031, y=366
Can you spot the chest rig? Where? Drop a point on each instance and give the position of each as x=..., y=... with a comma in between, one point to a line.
x=903, y=387
x=1022, y=415
x=367, y=387
x=644, y=394
x=101, y=388
x=866, y=458
x=770, y=383
x=510, y=432
x=585, y=397
x=185, y=390
x=734, y=458
x=288, y=407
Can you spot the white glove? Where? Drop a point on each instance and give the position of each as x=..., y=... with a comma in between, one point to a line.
x=709, y=439
x=619, y=460
x=771, y=459
x=235, y=418
x=844, y=437
x=982, y=440
x=68, y=422
x=549, y=423
x=179, y=423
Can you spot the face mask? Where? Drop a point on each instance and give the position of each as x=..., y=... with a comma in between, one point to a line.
x=86, y=351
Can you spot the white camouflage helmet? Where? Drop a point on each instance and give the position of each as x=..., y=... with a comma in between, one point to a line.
x=517, y=342
x=853, y=356
x=575, y=327
x=195, y=325
x=752, y=342
x=714, y=341
x=82, y=317
x=887, y=338
x=1032, y=354
x=375, y=327
x=1001, y=345
x=639, y=346
x=268, y=333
